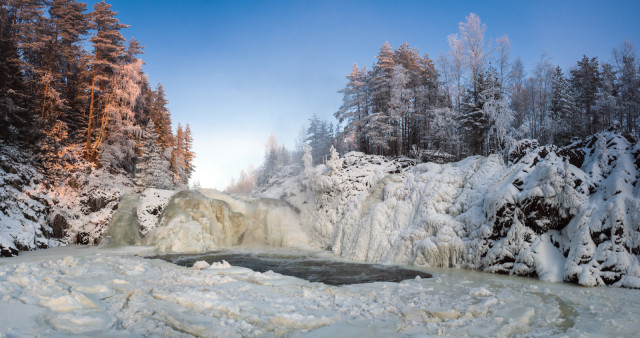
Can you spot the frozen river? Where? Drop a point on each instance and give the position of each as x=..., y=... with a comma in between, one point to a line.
x=94, y=291
x=310, y=266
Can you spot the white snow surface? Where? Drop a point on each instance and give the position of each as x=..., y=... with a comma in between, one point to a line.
x=91, y=291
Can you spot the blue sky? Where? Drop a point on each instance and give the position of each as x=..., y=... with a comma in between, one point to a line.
x=239, y=70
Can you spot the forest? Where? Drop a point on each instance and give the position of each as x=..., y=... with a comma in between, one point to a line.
x=72, y=90
x=474, y=100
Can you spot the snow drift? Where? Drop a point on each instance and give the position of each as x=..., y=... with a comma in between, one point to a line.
x=559, y=214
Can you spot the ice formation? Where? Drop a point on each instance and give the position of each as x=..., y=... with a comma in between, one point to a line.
x=90, y=291
x=123, y=228
x=197, y=221
x=559, y=214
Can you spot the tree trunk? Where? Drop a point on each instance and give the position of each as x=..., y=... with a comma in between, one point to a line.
x=87, y=146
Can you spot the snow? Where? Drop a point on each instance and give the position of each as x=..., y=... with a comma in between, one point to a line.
x=98, y=291
x=559, y=214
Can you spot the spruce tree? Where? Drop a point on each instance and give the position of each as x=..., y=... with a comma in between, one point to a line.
x=152, y=167
x=585, y=80
x=161, y=117
x=107, y=50
x=562, y=110
x=354, y=110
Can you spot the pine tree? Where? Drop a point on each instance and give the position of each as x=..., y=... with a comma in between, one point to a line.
x=355, y=107
x=118, y=148
x=189, y=155
x=320, y=138
x=585, y=80
x=474, y=123
x=400, y=109
x=107, y=50
x=152, y=168
x=71, y=24
x=178, y=162
x=562, y=111
x=161, y=117
x=14, y=120
x=628, y=69
x=606, y=104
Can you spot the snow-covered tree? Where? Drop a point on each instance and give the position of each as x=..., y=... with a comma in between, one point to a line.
x=118, y=148
x=562, y=110
x=307, y=160
x=152, y=168
x=355, y=106
x=585, y=79
x=107, y=49
x=334, y=160
x=629, y=87
x=320, y=138
x=400, y=108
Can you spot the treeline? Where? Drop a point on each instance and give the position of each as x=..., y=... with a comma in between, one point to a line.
x=61, y=97
x=475, y=100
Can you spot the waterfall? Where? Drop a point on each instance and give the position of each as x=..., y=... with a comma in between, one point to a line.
x=197, y=221
x=123, y=229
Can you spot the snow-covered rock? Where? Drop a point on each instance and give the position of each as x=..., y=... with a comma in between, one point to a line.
x=570, y=213
x=70, y=202
x=24, y=206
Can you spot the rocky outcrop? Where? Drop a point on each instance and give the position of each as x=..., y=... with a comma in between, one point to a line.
x=559, y=214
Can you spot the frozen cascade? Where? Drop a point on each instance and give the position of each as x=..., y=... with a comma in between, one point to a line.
x=123, y=229
x=197, y=221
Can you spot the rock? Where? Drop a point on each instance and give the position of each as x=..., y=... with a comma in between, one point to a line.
x=59, y=225
x=83, y=238
x=8, y=251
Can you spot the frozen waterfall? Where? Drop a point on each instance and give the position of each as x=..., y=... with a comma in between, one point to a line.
x=123, y=229
x=203, y=220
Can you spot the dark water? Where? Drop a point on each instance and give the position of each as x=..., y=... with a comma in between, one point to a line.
x=313, y=269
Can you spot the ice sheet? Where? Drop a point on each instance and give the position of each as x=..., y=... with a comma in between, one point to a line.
x=93, y=291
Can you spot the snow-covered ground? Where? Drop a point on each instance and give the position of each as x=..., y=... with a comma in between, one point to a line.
x=96, y=291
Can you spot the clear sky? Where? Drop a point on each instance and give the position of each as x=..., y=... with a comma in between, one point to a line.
x=239, y=70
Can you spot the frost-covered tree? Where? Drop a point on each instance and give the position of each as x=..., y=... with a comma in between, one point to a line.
x=446, y=137
x=320, y=138
x=629, y=87
x=307, y=162
x=585, y=79
x=475, y=47
x=354, y=110
x=562, y=110
x=244, y=185
x=334, y=160
x=502, y=61
x=606, y=104
x=276, y=158
x=107, y=49
x=400, y=108
x=118, y=148
x=152, y=168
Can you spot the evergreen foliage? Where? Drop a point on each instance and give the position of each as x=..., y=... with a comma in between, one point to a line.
x=56, y=96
